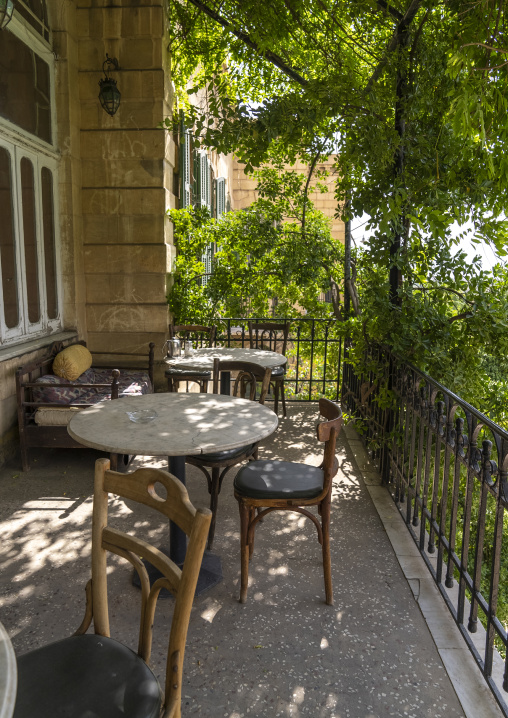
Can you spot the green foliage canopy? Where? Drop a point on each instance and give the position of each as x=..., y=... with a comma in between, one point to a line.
x=261, y=253
x=411, y=99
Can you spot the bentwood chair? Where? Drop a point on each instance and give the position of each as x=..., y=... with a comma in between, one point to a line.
x=204, y=336
x=216, y=465
x=267, y=336
x=89, y=675
x=265, y=486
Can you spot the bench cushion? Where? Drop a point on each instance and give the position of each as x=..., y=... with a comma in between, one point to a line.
x=132, y=382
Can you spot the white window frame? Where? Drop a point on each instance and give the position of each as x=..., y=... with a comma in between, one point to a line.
x=20, y=143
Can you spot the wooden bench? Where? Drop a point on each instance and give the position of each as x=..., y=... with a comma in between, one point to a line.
x=46, y=402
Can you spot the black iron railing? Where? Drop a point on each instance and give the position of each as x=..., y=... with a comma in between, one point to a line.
x=314, y=353
x=446, y=465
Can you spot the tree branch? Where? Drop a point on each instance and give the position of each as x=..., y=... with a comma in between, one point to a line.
x=445, y=289
x=306, y=191
x=351, y=288
x=487, y=47
x=271, y=56
x=462, y=315
x=393, y=11
x=408, y=18
x=334, y=291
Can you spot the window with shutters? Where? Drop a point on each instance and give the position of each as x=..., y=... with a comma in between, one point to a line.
x=198, y=188
x=29, y=258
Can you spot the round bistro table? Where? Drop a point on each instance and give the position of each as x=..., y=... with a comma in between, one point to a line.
x=186, y=424
x=202, y=360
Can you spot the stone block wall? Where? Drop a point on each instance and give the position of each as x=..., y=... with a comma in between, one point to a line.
x=127, y=165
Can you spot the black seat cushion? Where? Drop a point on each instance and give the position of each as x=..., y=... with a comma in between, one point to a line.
x=86, y=677
x=182, y=373
x=225, y=455
x=278, y=371
x=279, y=480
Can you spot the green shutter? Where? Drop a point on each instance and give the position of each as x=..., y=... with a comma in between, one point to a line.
x=220, y=195
x=196, y=175
x=185, y=160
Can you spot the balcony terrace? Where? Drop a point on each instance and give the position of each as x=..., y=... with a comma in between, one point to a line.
x=388, y=647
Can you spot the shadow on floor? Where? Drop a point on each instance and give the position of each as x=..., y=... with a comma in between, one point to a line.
x=284, y=653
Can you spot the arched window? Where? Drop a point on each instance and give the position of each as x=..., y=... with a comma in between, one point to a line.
x=29, y=275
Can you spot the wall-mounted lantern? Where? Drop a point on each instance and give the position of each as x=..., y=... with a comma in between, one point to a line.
x=109, y=94
x=6, y=10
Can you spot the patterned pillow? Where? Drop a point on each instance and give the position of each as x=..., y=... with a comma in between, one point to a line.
x=72, y=362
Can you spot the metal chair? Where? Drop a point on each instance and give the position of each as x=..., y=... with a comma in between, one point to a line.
x=204, y=336
x=92, y=674
x=267, y=336
x=265, y=486
x=216, y=465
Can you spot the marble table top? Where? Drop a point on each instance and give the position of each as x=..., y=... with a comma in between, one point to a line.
x=203, y=358
x=8, y=675
x=186, y=424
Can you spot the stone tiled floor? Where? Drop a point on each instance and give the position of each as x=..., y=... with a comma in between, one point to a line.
x=284, y=653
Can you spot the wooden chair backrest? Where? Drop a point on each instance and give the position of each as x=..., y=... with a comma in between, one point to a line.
x=328, y=431
x=200, y=332
x=248, y=373
x=146, y=486
x=267, y=333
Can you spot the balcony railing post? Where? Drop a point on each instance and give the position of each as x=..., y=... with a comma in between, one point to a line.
x=390, y=424
x=480, y=535
x=460, y=444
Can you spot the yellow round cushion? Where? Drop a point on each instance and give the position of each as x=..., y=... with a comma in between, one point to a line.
x=72, y=362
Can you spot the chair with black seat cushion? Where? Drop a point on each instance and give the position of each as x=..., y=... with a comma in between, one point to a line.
x=216, y=465
x=92, y=675
x=203, y=337
x=265, y=486
x=272, y=336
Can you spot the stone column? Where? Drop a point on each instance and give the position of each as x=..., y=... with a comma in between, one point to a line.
x=127, y=175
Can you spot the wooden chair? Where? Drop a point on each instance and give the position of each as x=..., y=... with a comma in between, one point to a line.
x=216, y=465
x=267, y=336
x=265, y=486
x=92, y=674
x=204, y=336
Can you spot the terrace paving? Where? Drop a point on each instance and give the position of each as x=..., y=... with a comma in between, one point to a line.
x=284, y=653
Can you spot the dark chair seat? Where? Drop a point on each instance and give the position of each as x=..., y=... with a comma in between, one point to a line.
x=225, y=455
x=279, y=479
x=83, y=677
x=278, y=371
x=182, y=373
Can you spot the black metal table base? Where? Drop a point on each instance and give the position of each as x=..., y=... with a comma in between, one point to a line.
x=210, y=574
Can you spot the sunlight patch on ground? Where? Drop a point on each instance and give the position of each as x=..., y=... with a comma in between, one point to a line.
x=298, y=695
x=56, y=503
x=212, y=609
x=279, y=571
